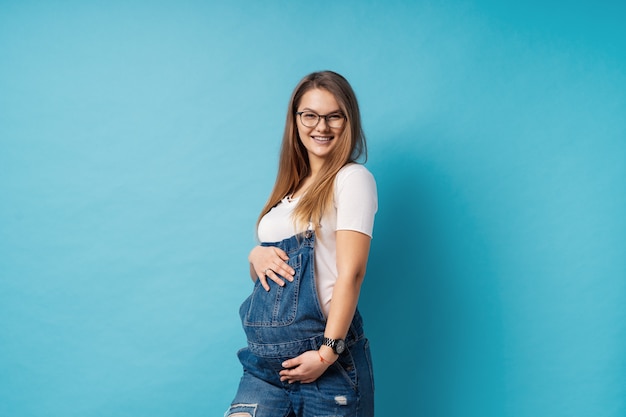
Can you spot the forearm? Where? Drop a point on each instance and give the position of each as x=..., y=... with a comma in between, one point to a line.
x=342, y=308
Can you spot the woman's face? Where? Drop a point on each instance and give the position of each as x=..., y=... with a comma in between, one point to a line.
x=321, y=139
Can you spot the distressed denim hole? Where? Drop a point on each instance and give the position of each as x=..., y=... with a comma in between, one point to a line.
x=241, y=410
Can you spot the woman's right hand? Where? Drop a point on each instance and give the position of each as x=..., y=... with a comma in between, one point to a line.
x=270, y=262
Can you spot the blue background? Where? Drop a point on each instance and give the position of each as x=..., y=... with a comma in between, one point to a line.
x=139, y=140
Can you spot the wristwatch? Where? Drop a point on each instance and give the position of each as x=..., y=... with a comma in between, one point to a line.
x=337, y=345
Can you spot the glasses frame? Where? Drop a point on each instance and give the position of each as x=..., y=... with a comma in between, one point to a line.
x=323, y=116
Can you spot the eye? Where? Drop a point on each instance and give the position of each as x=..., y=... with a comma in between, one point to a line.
x=309, y=116
x=335, y=116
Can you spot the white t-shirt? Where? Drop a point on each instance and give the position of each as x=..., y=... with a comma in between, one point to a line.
x=354, y=207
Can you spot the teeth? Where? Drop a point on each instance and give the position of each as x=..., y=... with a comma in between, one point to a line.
x=321, y=138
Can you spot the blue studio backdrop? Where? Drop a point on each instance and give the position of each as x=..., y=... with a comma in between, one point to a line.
x=139, y=140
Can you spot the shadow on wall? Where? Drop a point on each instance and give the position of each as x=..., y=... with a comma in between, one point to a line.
x=418, y=317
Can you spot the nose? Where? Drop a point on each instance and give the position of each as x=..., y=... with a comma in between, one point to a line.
x=319, y=124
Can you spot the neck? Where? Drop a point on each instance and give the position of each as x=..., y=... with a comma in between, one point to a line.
x=315, y=166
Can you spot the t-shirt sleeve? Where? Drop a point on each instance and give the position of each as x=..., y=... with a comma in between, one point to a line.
x=356, y=199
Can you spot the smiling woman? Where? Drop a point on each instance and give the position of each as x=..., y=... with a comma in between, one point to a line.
x=318, y=132
x=135, y=135
x=302, y=321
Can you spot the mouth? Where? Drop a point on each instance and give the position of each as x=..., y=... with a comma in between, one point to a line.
x=322, y=139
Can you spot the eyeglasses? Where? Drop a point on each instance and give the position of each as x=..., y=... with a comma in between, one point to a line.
x=310, y=119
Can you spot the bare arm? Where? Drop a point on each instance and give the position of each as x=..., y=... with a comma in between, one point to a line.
x=352, y=253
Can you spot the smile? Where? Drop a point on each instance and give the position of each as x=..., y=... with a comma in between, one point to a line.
x=322, y=138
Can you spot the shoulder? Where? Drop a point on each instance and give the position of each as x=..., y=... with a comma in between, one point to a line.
x=354, y=172
x=356, y=199
x=355, y=179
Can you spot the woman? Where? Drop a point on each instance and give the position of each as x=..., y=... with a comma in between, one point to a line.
x=307, y=354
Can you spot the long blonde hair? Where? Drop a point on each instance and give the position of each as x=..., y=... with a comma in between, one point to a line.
x=294, y=167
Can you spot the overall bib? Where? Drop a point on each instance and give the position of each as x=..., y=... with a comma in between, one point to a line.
x=286, y=322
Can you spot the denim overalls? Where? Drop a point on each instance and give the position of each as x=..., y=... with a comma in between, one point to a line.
x=286, y=322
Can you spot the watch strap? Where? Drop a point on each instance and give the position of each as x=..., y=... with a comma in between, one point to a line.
x=331, y=343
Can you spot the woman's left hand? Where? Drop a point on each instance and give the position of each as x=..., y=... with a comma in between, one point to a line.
x=305, y=368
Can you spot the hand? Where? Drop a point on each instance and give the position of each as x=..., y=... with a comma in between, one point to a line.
x=270, y=262
x=305, y=368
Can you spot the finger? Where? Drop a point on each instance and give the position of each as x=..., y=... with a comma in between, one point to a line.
x=285, y=272
x=289, y=378
x=289, y=272
x=263, y=281
x=274, y=277
x=281, y=254
x=284, y=269
x=280, y=266
x=286, y=375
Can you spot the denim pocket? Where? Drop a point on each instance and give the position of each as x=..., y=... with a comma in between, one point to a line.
x=276, y=307
x=347, y=368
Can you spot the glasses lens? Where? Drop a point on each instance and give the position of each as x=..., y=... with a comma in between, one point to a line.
x=309, y=119
x=335, y=120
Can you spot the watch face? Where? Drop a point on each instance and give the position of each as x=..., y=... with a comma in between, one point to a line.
x=340, y=346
